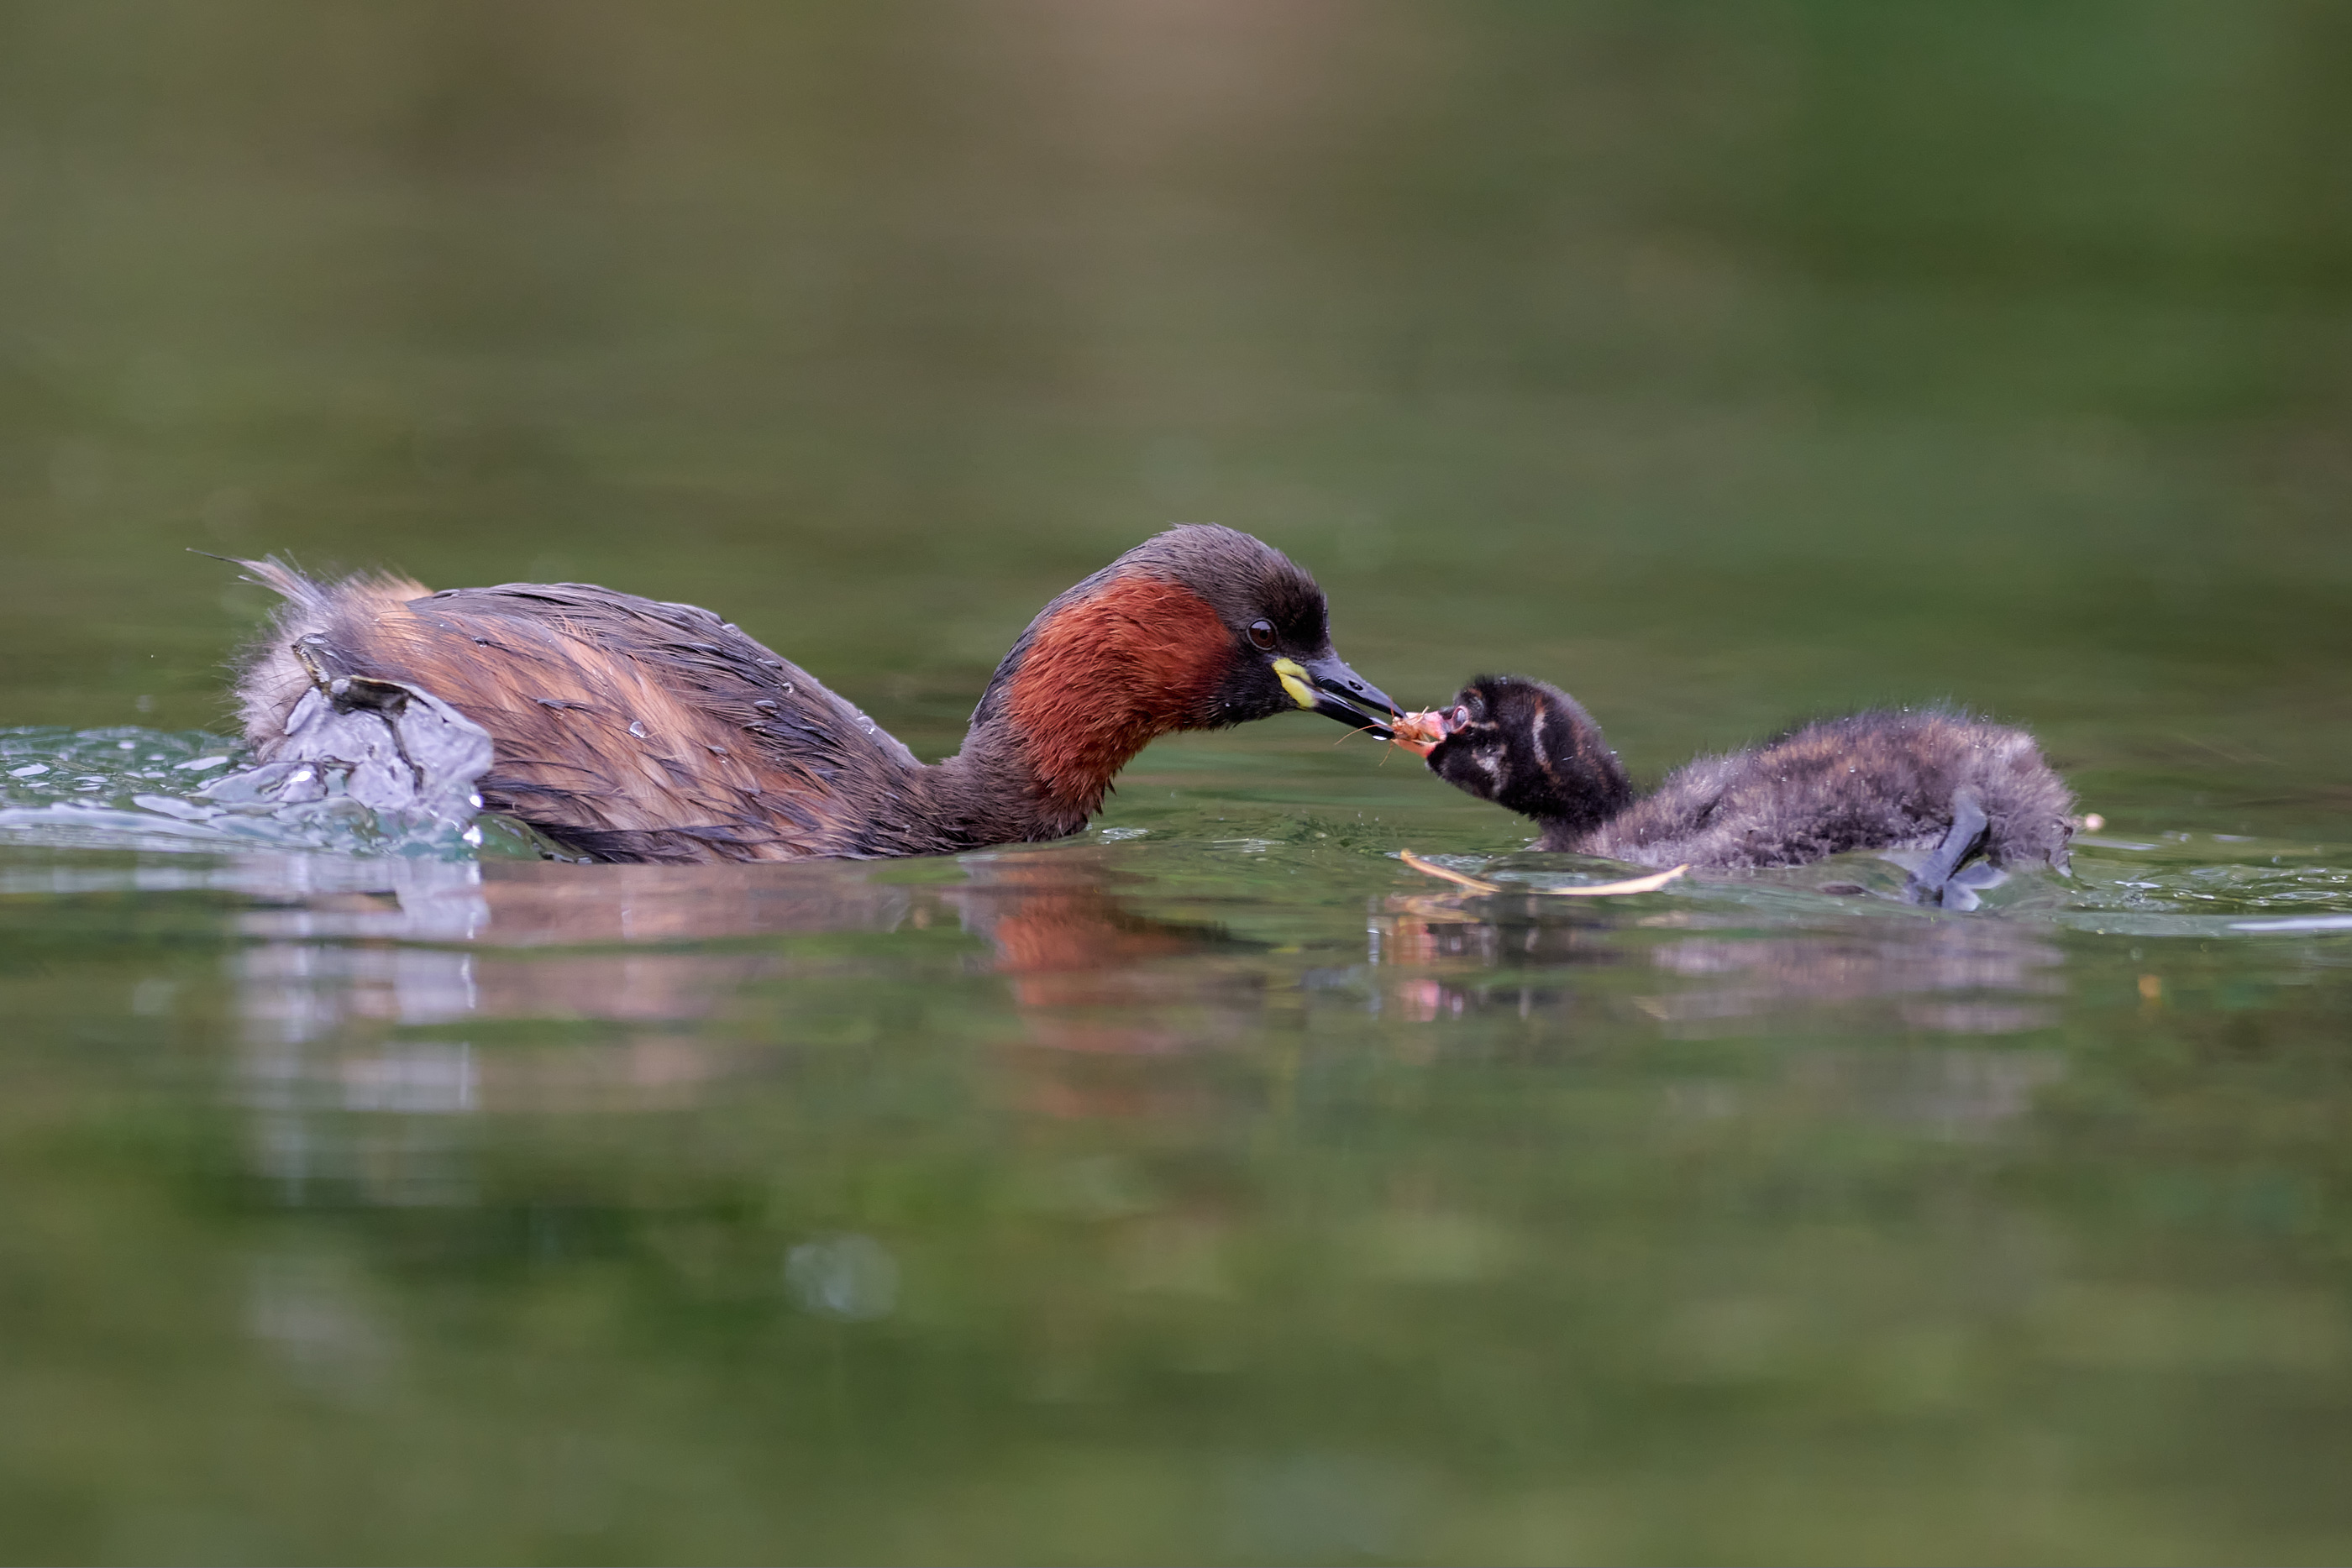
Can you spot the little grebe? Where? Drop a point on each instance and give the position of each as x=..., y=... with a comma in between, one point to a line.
x=631, y=730
x=1930, y=780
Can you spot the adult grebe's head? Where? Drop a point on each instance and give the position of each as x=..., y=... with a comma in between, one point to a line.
x=1197, y=628
x=1276, y=636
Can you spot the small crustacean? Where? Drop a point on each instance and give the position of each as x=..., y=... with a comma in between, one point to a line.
x=1419, y=732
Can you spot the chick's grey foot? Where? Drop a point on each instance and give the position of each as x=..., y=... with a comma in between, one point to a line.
x=1964, y=888
x=1933, y=883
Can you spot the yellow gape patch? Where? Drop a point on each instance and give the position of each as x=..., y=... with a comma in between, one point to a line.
x=1294, y=681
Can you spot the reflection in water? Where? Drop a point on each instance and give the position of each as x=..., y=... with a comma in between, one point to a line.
x=384, y=1007
x=1915, y=974
x=312, y=1315
x=1936, y=975
x=849, y=1277
x=1908, y=961
x=358, y=1001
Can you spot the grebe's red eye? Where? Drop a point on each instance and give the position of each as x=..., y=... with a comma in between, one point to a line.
x=1261, y=633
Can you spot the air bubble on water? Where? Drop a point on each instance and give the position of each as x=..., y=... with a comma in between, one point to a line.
x=852, y=1278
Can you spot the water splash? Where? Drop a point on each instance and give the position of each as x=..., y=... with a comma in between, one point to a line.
x=124, y=787
x=2210, y=884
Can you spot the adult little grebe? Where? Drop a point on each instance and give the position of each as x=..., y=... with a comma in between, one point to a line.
x=1928, y=780
x=632, y=730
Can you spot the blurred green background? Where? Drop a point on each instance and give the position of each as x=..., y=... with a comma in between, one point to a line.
x=1209, y=1188
x=1723, y=362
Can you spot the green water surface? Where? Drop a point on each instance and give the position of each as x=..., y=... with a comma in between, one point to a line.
x=1212, y=1186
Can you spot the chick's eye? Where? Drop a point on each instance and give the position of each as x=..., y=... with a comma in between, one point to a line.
x=1460, y=713
x=1261, y=633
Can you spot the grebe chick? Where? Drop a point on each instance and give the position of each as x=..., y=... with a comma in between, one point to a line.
x=1959, y=787
x=630, y=730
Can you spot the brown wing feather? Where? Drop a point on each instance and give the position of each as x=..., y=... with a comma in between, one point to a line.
x=627, y=727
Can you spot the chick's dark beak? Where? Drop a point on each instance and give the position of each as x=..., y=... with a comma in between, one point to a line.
x=1342, y=693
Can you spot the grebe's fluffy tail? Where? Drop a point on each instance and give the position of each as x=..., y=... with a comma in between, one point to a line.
x=270, y=680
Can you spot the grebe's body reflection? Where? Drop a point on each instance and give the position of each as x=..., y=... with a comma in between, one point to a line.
x=381, y=1008
x=1583, y=975
x=1714, y=965
x=419, y=992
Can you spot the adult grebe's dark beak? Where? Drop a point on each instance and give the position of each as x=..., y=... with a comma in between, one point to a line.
x=1328, y=686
